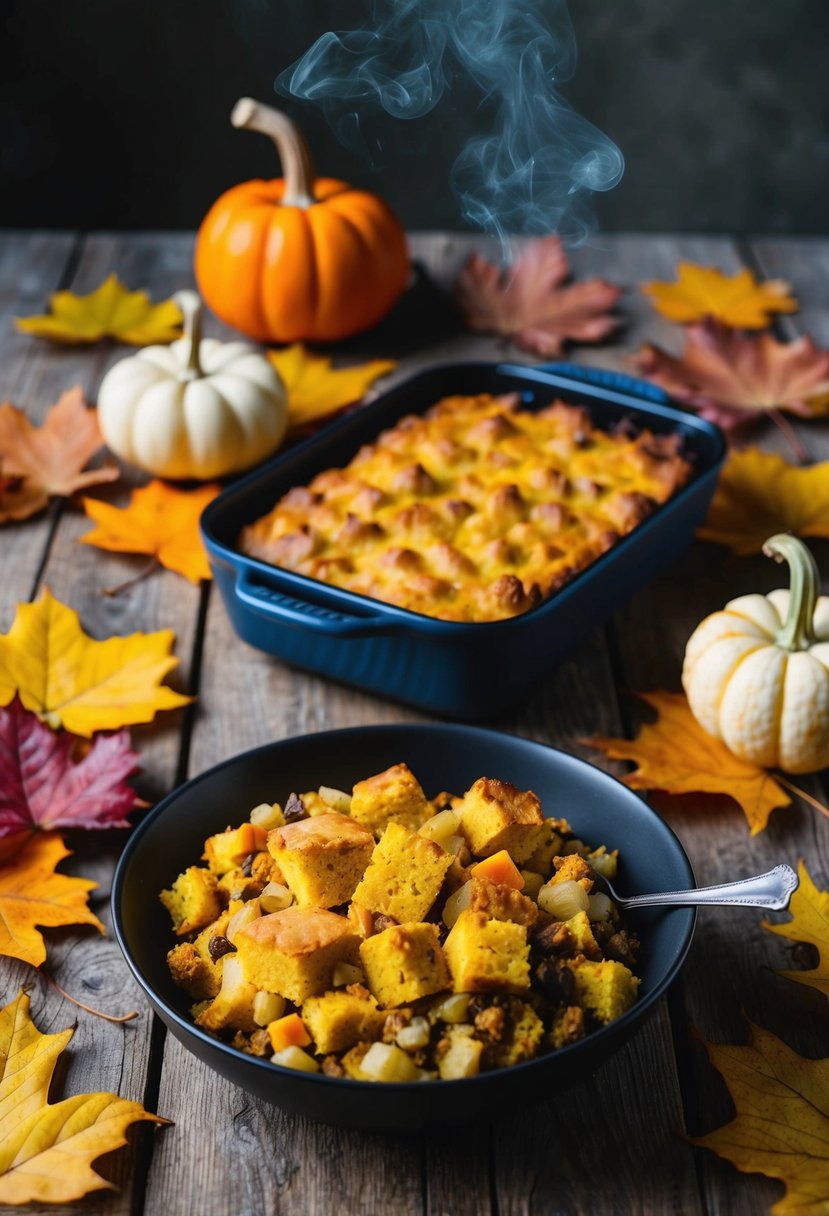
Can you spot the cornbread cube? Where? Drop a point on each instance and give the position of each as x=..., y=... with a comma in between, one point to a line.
x=582, y=937
x=459, y=1054
x=606, y=989
x=191, y=966
x=523, y=1037
x=404, y=963
x=487, y=955
x=404, y=876
x=294, y=952
x=549, y=845
x=193, y=901
x=337, y=1020
x=573, y=868
x=496, y=815
x=567, y=1026
x=394, y=796
x=499, y=902
x=322, y=858
x=232, y=1008
x=227, y=850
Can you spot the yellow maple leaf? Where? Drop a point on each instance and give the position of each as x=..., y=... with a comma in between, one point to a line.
x=781, y=1128
x=316, y=389
x=111, y=311
x=32, y=894
x=46, y=1151
x=737, y=300
x=71, y=680
x=809, y=907
x=160, y=521
x=759, y=494
x=676, y=755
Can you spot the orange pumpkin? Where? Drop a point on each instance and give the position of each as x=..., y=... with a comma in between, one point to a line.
x=300, y=258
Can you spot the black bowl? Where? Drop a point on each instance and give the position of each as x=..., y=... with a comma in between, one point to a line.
x=600, y=809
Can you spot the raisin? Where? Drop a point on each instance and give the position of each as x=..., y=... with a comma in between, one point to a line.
x=219, y=946
x=247, y=865
x=382, y=922
x=294, y=809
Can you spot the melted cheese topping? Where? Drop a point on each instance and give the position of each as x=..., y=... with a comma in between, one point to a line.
x=475, y=511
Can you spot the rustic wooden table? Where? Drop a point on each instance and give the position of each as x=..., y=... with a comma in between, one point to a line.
x=613, y=1143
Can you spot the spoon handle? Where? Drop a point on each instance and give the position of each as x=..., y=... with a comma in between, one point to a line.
x=772, y=890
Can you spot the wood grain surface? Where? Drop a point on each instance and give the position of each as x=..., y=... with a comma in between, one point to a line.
x=614, y=1142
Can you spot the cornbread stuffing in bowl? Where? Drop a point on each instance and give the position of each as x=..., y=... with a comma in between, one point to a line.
x=379, y=935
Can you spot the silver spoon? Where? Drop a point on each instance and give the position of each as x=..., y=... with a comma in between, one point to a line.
x=772, y=890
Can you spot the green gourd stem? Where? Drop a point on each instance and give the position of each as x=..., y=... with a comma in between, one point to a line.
x=798, y=628
x=294, y=155
x=191, y=310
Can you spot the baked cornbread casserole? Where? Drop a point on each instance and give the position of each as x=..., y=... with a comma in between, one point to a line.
x=476, y=511
x=384, y=936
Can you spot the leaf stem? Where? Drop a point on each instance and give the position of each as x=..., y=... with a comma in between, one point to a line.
x=801, y=453
x=108, y=1017
x=152, y=565
x=795, y=789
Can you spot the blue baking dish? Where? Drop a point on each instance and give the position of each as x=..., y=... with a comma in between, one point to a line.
x=457, y=669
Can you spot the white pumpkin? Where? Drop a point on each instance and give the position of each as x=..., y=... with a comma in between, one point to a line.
x=198, y=408
x=757, y=673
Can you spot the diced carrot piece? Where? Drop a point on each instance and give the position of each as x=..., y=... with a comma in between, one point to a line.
x=499, y=868
x=250, y=839
x=288, y=1032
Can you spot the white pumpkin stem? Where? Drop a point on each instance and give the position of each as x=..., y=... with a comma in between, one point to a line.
x=191, y=309
x=798, y=631
x=294, y=154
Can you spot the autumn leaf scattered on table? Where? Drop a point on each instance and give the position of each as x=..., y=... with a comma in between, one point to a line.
x=738, y=300
x=676, y=755
x=316, y=389
x=32, y=894
x=809, y=907
x=42, y=785
x=781, y=1128
x=529, y=303
x=161, y=521
x=111, y=311
x=71, y=680
x=730, y=378
x=760, y=494
x=47, y=1150
x=47, y=461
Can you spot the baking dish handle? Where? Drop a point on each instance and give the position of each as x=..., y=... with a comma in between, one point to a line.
x=285, y=610
x=602, y=378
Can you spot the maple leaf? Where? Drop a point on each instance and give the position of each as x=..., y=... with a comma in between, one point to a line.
x=781, y=1128
x=528, y=302
x=111, y=311
x=316, y=389
x=730, y=378
x=41, y=785
x=47, y=1150
x=760, y=494
x=738, y=300
x=69, y=679
x=49, y=458
x=676, y=755
x=809, y=907
x=160, y=521
x=32, y=894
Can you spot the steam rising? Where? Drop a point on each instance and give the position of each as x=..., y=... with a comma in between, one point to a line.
x=532, y=170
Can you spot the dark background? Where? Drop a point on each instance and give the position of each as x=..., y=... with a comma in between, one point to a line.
x=115, y=115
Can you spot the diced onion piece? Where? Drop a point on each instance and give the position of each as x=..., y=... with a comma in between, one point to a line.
x=267, y=1007
x=267, y=815
x=415, y=1036
x=275, y=897
x=232, y=979
x=295, y=1057
x=563, y=899
x=532, y=883
x=347, y=973
x=463, y=1059
x=601, y=907
x=604, y=863
x=454, y=845
x=441, y=828
x=574, y=846
x=385, y=1062
x=454, y=1009
x=247, y=913
x=456, y=903
x=338, y=800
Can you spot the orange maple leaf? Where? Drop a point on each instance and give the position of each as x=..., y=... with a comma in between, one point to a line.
x=738, y=300
x=730, y=378
x=161, y=521
x=529, y=302
x=49, y=458
x=32, y=894
x=676, y=755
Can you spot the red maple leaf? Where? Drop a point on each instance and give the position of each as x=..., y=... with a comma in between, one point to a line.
x=43, y=786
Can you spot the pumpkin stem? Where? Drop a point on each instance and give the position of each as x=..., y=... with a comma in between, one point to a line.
x=798, y=628
x=297, y=166
x=191, y=309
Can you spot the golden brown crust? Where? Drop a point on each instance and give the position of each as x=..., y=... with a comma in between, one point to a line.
x=330, y=831
x=298, y=931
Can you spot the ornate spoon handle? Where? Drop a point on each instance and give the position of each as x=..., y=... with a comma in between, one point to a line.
x=772, y=890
